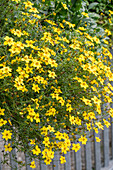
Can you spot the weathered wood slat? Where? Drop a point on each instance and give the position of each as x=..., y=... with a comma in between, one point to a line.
x=13, y=158
x=27, y=161
x=112, y=118
x=0, y=164
x=56, y=162
x=111, y=138
x=43, y=166
x=97, y=153
x=78, y=163
x=67, y=165
x=106, y=146
x=88, y=162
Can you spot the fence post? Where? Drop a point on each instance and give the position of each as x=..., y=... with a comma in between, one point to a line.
x=106, y=146
x=88, y=155
x=112, y=106
x=27, y=162
x=67, y=165
x=78, y=164
x=56, y=161
x=13, y=160
x=0, y=164
x=43, y=166
x=97, y=154
x=112, y=126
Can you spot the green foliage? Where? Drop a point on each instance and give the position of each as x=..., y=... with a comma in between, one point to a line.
x=52, y=74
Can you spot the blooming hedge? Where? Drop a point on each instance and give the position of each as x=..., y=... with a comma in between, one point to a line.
x=54, y=79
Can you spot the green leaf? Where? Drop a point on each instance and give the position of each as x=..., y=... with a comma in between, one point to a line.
x=92, y=5
x=94, y=15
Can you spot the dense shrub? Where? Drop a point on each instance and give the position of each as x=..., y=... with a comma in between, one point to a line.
x=54, y=79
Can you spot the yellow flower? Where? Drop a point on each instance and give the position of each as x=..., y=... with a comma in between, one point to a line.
x=16, y=0
x=6, y=70
x=46, y=141
x=52, y=62
x=36, y=117
x=86, y=101
x=18, y=33
x=59, y=135
x=32, y=141
x=96, y=130
x=96, y=40
x=2, y=111
x=8, y=148
x=36, y=63
x=36, y=151
x=64, y=5
x=88, y=126
x=106, y=123
x=99, y=125
x=72, y=120
x=76, y=147
x=83, y=84
x=28, y=4
x=69, y=109
x=83, y=139
x=6, y=134
x=97, y=139
x=111, y=12
x=2, y=122
x=50, y=153
x=52, y=74
x=85, y=14
x=33, y=164
x=44, y=130
x=82, y=28
x=8, y=41
x=92, y=115
x=51, y=129
x=64, y=148
x=110, y=21
x=47, y=160
x=62, y=159
x=108, y=32
x=35, y=88
x=77, y=121
x=33, y=9
x=29, y=43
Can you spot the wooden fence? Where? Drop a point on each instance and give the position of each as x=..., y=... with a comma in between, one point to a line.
x=92, y=156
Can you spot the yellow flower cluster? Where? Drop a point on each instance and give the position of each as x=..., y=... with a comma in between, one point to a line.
x=53, y=84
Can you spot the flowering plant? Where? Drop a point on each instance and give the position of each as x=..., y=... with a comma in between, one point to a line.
x=53, y=77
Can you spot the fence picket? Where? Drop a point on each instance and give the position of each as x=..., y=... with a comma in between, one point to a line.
x=88, y=162
x=111, y=138
x=43, y=166
x=67, y=165
x=0, y=164
x=56, y=162
x=106, y=146
x=97, y=153
x=78, y=163
x=13, y=159
x=112, y=107
x=27, y=161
